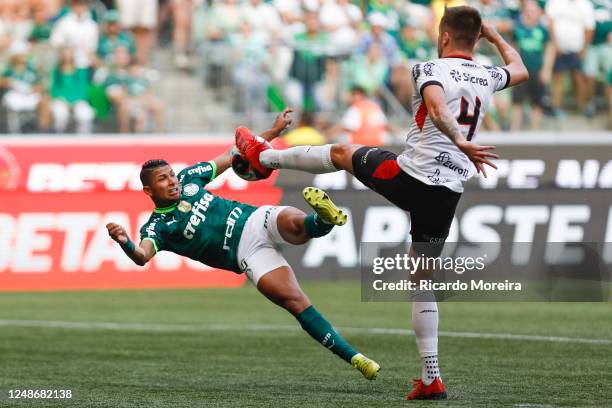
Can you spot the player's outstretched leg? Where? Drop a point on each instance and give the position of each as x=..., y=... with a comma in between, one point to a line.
x=312, y=159
x=282, y=288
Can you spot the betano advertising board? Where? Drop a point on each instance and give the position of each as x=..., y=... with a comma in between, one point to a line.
x=58, y=194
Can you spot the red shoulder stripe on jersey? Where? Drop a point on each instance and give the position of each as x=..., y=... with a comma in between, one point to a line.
x=421, y=115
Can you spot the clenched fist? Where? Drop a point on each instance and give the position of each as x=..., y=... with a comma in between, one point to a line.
x=117, y=232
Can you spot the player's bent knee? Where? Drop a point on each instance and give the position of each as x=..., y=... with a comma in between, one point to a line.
x=290, y=224
x=342, y=155
x=295, y=303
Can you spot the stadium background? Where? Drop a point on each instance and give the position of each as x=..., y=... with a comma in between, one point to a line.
x=205, y=73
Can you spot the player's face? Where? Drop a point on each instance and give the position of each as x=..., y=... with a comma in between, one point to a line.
x=163, y=185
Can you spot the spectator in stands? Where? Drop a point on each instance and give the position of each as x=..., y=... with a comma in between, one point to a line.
x=370, y=71
x=248, y=69
x=341, y=18
x=533, y=43
x=5, y=34
x=112, y=37
x=69, y=93
x=414, y=43
x=598, y=59
x=306, y=132
x=224, y=19
x=79, y=31
x=263, y=18
x=182, y=11
x=572, y=24
x=389, y=10
x=306, y=87
x=49, y=8
x=21, y=24
x=291, y=14
x=496, y=13
x=128, y=86
x=140, y=16
x=379, y=35
x=41, y=29
x=364, y=122
x=24, y=92
x=399, y=74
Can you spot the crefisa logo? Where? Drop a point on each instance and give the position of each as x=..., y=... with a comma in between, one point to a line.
x=9, y=170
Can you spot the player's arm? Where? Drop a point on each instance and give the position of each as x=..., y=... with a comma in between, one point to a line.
x=140, y=254
x=281, y=123
x=514, y=63
x=445, y=121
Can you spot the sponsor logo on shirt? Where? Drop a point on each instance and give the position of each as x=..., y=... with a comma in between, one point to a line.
x=444, y=159
x=435, y=177
x=459, y=76
x=199, y=215
x=200, y=169
x=229, y=226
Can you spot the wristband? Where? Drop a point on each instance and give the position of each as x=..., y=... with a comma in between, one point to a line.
x=128, y=247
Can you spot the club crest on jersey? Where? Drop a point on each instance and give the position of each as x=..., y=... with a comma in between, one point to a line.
x=191, y=189
x=184, y=206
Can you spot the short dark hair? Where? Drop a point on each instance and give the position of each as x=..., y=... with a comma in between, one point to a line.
x=359, y=89
x=147, y=169
x=464, y=24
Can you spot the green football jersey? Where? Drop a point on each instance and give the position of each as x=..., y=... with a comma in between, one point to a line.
x=200, y=226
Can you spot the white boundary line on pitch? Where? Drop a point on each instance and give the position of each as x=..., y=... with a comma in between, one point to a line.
x=194, y=328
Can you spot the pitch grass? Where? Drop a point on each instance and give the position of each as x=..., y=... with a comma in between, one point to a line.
x=277, y=368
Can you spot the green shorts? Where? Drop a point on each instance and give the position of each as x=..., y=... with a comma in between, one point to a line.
x=597, y=62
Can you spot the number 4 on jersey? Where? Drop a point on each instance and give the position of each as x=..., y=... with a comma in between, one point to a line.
x=465, y=118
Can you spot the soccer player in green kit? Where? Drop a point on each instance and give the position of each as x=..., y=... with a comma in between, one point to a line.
x=191, y=221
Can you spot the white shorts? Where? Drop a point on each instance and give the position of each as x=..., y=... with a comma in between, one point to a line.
x=21, y=102
x=138, y=13
x=256, y=253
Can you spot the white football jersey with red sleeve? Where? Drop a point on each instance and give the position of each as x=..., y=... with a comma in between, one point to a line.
x=430, y=156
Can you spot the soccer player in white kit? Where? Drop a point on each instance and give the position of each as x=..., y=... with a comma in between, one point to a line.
x=451, y=95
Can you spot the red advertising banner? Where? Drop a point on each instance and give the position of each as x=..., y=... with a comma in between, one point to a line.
x=58, y=194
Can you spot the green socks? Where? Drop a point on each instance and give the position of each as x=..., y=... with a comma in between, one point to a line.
x=322, y=331
x=315, y=226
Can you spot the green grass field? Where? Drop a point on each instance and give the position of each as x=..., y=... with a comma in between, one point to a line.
x=233, y=348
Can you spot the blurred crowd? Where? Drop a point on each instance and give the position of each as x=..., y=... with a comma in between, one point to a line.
x=69, y=65
x=74, y=64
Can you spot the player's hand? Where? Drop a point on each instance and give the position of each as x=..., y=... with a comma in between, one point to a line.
x=479, y=155
x=117, y=233
x=283, y=121
x=488, y=32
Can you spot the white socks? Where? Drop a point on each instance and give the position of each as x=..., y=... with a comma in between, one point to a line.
x=312, y=159
x=425, y=324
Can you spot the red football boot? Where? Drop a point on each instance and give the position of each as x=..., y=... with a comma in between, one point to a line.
x=250, y=147
x=433, y=391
